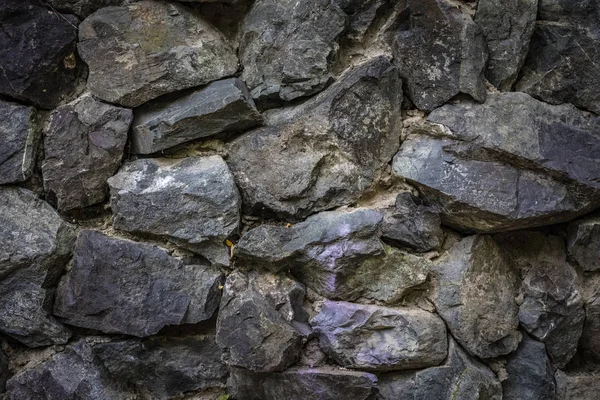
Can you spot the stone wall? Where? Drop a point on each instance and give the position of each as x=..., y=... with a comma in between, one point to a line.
x=299, y=199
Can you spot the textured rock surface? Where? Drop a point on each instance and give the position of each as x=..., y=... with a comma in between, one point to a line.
x=139, y=52
x=327, y=151
x=576, y=385
x=37, y=53
x=83, y=8
x=83, y=145
x=584, y=243
x=4, y=371
x=192, y=201
x=36, y=244
x=20, y=138
x=120, y=286
x=380, y=338
x=590, y=337
x=223, y=106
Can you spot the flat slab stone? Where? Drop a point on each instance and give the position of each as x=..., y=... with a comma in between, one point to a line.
x=20, y=137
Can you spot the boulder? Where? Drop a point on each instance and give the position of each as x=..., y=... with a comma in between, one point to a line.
x=191, y=201
x=475, y=293
x=20, y=137
x=577, y=385
x=584, y=243
x=325, y=152
x=222, y=106
x=36, y=245
x=440, y=52
x=83, y=145
x=369, y=337
x=38, y=54
x=121, y=286
x=150, y=48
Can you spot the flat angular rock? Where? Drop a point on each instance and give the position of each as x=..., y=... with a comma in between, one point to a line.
x=20, y=138
x=459, y=378
x=584, y=243
x=475, y=291
x=577, y=385
x=191, y=201
x=325, y=152
x=83, y=147
x=222, y=106
x=121, y=286
x=303, y=384
x=261, y=323
x=440, y=52
x=36, y=245
x=507, y=27
x=139, y=52
x=37, y=53
x=380, y=338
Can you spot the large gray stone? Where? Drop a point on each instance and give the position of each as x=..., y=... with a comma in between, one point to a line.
x=36, y=245
x=584, y=243
x=475, y=293
x=139, y=52
x=83, y=147
x=20, y=135
x=222, y=106
x=577, y=385
x=378, y=338
x=507, y=27
x=191, y=201
x=440, y=52
x=325, y=152
x=120, y=286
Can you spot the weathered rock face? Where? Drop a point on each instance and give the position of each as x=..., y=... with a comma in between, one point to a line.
x=20, y=138
x=584, y=243
x=192, y=201
x=590, y=337
x=475, y=293
x=327, y=151
x=36, y=244
x=303, y=384
x=380, y=338
x=440, y=52
x=223, y=106
x=37, y=53
x=139, y=52
x=120, y=286
x=4, y=372
x=459, y=378
x=83, y=8
x=577, y=385
x=83, y=145
x=261, y=322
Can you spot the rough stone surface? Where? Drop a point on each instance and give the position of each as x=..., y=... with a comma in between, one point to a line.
x=120, y=286
x=83, y=146
x=303, y=384
x=475, y=293
x=584, y=243
x=380, y=338
x=37, y=53
x=590, y=337
x=36, y=245
x=577, y=385
x=139, y=52
x=507, y=27
x=261, y=323
x=325, y=152
x=4, y=371
x=192, y=201
x=222, y=106
x=20, y=138
x=440, y=52
x=459, y=378
x=83, y=8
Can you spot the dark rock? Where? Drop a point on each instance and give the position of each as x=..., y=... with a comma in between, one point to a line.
x=165, y=367
x=552, y=309
x=192, y=201
x=83, y=8
x=120, y=286
x=37, y=53
x=261, y=322
x=303, y=384
x=475, y=291
x=590, y=337
x=4, y=371
x=584, y=243
x=142, y=51
x=440, y=52
x=83, y=146
x=20, y=138
x=507, y=27
x=36, y=245
x=577, y=385
x=223, y=106
x=377, y=338
x=325, y=152
x=459, y=378
x=362, y=14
